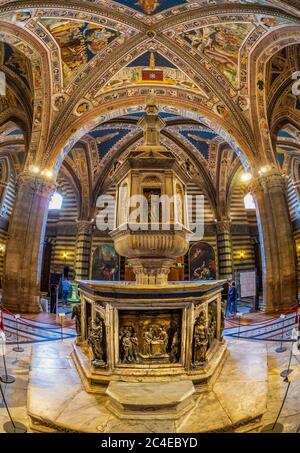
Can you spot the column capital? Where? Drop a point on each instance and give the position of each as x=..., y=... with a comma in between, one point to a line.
x=272, y=181
x=296, y=184
x=4, y=184
x=223, y=226
x=38, y=184
x=84, y=226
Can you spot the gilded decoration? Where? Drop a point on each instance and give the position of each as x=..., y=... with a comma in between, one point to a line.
x=149, y=337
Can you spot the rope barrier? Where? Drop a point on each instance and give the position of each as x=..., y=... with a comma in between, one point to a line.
x=31, y=329
x=266, y=321
x=29, y=323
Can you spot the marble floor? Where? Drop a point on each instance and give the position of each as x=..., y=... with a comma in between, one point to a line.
x=20, y=365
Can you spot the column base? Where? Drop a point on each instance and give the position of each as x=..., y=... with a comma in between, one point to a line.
x=24, y=306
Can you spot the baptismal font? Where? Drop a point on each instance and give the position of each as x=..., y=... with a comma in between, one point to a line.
x=150, y=330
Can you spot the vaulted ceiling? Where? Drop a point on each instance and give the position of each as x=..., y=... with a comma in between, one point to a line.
x=78, y=72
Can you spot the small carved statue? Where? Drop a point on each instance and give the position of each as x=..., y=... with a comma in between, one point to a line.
x=163, y=338
x=127, y=348
x=95, y=340
x=200, y=340
x=129, y=345
x=212, y=324
x=147, y=339
x=222, y=323
x=135, y=347
x=76, y=313
x=175, y=347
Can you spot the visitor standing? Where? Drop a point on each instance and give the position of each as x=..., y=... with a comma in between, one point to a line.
x=66, y=287
x=231, y=308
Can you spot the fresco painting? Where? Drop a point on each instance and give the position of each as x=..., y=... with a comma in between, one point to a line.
x=221, y=44
x=152, y=7
x=16, y=62
x=79, y=42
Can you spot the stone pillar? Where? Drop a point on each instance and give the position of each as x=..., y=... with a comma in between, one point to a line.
x=22, y=270
x=3, y=189
x=83, y=249
x=277, y=243
x=297, y=189
x=224, y=248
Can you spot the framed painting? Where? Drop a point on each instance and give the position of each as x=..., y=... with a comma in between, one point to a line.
x=202, y=262
x=105, y=263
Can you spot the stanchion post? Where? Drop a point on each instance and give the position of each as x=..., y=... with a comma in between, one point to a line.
x=288, y=371
x=11, y=426
x=6, y=378
x=239, y=316
x=17, y=348
x=277, y=427
x=62, y=318
x=281, y=347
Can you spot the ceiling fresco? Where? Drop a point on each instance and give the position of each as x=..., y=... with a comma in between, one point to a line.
x=15, y=62
x=8, y=101
x=152, y=7
x=79, y=42
x=106, y=137
x=97, y=64
x=221, y=44
x=151, y=68
x=200, y=140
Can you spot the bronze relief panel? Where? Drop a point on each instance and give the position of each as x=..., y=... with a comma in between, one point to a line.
x=149, y=336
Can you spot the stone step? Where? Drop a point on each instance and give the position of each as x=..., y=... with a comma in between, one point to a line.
x=150, y=400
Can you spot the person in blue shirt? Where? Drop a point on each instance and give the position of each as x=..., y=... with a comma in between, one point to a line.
x=65, y=287
x=231, y=307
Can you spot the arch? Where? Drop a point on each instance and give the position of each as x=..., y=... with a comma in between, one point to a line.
x=112, y=109
x=260, y=56
x=216, y=95
x=203, y=179
x=31, y=48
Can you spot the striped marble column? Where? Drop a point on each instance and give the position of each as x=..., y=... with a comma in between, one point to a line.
x=83, y=249
x=3, y=189
x=224, y=249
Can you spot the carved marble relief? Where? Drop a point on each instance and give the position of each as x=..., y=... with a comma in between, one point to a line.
x=76, y=313
x=212, y=323
x=200, y=340
x=96, y=341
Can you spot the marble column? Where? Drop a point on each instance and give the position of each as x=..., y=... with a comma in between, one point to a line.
x=22, y=270
x=277, y=243
x=224, y=249
x=3, y=189
x=297, y=189
x=83, y=249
